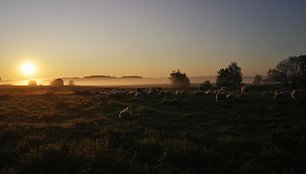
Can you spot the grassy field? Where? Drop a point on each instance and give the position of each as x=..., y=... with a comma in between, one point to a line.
x=65, y=133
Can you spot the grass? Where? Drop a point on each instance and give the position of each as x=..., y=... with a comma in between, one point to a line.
x=65, y=133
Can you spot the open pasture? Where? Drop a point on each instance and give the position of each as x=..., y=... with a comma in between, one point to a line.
x=59, y=132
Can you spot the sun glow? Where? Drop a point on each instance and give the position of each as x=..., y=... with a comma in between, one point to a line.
x=28, y=69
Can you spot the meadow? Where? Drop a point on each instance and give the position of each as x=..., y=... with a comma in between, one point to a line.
x=59, y=132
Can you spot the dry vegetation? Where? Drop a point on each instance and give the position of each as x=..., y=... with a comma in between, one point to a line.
x=59, y=132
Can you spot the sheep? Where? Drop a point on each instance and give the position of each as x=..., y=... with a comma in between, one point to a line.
x=243, y=90
x=140, y=89
x=223, y=88
x=180, y=92
x=282, y=95
x=298, y=95
x=139, y=94
x=221, y=95
x=115, y=93
x=232, y=96
x=209, y=92
x=131, y=93
x=154, y=90
x=94, y=92
x=165, y=93
x=240, y=95
x=126, y=114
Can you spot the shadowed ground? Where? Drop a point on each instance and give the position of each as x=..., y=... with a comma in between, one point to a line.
x=65, y=133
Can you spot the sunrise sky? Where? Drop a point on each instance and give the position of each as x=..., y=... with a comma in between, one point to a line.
x=148, y=37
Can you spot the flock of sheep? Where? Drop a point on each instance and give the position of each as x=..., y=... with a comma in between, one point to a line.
x=222, y=94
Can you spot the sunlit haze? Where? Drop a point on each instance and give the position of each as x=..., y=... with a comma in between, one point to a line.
x=150, y=38
x=28, y=69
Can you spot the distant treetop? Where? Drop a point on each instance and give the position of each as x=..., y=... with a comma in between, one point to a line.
x=98, y=76
x=131, y=77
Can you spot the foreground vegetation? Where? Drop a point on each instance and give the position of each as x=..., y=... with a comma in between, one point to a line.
x=65, y=133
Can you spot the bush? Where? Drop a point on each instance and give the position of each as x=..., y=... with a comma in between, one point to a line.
x=179, y=80
x=57, y=83
x=32, y=83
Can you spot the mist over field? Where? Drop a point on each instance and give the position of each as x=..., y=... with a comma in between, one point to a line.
x=152, y=87
x=120, y=81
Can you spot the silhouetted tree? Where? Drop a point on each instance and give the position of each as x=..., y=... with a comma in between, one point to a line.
x=290, y=71
x=206, y=85
x=32, y=83
x=70, y=83
x=179, y=80
x=57, y=83
x=257, y=79
x=230, y=76
x=272, y=76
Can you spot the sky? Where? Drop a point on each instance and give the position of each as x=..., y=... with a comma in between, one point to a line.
x=67, y=38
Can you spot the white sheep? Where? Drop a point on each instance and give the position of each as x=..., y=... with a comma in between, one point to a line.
x=125, y=114
x=221, y=95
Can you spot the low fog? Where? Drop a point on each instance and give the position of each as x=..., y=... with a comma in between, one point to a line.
x=117, y=81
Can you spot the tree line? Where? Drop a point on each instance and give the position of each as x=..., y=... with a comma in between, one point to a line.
x=290, y=72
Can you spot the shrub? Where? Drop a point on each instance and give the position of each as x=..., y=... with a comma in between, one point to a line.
x=32, y=83
x=179, y=80
x=57, y=82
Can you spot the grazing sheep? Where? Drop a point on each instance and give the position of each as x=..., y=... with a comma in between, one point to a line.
x=140, y=89
x=115, y=93
x=209, y=92
x=125, y=114
x=154, y=91
x=282, y=95
x=94, y=92
x=165, y=93
x=131, y=93
x=240, y=95
x=223, y=88
x=243, y=90
x=231, y=96
x=201, y=88
x=139, y=94
x=180, y=92
x=279, y=90
x=221, y=95
x=298, y=95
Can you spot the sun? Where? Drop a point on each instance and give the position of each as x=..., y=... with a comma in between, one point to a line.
x=28, y=69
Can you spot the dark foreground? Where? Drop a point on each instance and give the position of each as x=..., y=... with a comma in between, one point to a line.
x=67, y=133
